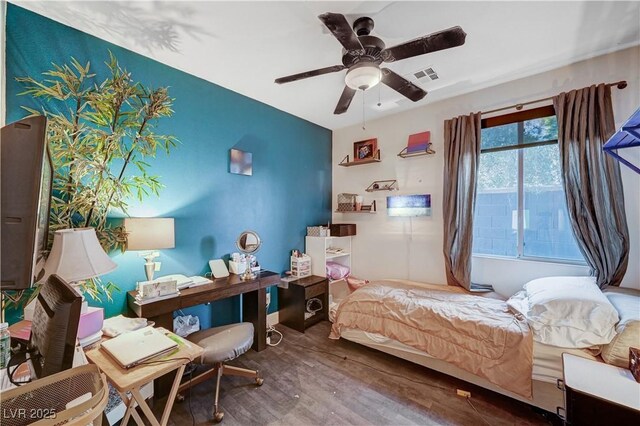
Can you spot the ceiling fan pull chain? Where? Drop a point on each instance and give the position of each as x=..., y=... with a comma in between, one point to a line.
x=363, y=122
x=379, y=103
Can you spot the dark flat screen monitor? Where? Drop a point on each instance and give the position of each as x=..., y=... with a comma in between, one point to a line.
x=26, y=179
x=54, y=327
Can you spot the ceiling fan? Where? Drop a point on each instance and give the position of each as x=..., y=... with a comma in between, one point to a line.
x=363, y=54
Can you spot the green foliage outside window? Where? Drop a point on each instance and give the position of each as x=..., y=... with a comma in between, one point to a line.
x=498, y=169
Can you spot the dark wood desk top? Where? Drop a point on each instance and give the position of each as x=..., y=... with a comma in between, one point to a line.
x=221, y=288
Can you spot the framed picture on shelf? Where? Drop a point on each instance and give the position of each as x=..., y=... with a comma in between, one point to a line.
x=365, y=150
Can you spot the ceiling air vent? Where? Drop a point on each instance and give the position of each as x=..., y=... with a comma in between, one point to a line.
x=429, y=73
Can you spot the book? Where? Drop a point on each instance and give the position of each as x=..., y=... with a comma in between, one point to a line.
x=21, y=330
x=481, y=288
x=418, y=142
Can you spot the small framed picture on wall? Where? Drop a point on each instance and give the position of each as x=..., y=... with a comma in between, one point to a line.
x=365, y=150
x=240, y=162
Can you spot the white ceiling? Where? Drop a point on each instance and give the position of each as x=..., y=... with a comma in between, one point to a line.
x=244, y=46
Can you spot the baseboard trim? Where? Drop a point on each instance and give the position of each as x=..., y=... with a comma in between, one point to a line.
x=273, y=318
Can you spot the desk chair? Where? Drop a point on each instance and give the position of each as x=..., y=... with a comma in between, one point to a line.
x=222, y=344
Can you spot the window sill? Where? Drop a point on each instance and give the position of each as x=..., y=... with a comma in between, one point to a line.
x=532, y=259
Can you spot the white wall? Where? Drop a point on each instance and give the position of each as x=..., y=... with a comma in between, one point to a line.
x=411, y=248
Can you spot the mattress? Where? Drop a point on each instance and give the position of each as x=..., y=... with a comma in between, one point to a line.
x=547, y=360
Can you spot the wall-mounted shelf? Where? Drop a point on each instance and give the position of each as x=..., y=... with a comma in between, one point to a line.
x=405, y=154
x=627, y=137
x=366, y=208
x=346, y=163
x=383, y=185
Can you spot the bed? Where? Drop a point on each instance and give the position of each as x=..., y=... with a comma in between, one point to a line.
x=546, y=364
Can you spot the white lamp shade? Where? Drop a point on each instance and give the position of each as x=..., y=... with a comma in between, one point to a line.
x=76, y=255
x=149, y=233
x=363, y=77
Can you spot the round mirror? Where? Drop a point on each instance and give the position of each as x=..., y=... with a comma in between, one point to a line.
x=248, y=242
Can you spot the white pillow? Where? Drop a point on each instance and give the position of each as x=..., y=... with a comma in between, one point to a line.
x=627, y=303
x=570, y=312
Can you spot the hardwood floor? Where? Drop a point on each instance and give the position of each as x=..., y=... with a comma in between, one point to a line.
x=313, y=387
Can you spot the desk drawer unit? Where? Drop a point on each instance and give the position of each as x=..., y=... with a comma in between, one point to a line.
x=315, y=290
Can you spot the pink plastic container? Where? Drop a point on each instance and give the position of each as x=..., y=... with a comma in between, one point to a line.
x=90, y=322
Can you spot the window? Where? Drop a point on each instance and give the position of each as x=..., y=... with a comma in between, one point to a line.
x=520, y=209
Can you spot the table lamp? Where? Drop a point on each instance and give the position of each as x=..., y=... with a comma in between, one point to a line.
x=76, y=256
x=149, y=233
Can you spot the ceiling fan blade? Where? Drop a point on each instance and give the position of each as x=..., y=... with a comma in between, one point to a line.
x=402, y=85
x=308, y=74
x=441, y=40
x=345, y=100
x=340, y=28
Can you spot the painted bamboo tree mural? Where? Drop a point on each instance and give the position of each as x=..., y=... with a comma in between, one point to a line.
x=101, y=137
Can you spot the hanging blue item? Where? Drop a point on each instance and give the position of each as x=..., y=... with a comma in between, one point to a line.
x=627, y=137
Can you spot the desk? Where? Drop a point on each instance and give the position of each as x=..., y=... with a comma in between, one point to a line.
x=254, y=302
x=131, y=380
x=599, y=394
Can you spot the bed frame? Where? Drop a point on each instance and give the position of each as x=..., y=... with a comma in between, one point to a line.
x=546, y=395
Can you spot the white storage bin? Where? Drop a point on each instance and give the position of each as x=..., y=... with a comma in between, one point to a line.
x=317, y=231
x=237, y=267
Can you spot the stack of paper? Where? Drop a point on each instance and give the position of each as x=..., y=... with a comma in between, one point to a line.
x=183, y=281
x=197, y=280
x=120, y=324
x=92, y=338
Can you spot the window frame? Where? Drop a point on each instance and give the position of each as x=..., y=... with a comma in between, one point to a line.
x=520, y=117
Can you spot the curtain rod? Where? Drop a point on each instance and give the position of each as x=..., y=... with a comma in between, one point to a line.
x=619, y=84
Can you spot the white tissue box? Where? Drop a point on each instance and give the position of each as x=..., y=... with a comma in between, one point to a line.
x=237, y=267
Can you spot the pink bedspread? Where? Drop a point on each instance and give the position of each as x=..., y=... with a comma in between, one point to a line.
x=477, y=334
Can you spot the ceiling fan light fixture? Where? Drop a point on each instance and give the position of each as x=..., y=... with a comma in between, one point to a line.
x=363, y=53
x=363, y=77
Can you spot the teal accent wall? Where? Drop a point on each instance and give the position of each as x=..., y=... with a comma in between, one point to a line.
x=291, y=183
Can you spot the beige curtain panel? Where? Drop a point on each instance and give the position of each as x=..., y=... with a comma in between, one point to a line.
x=462, y=153
x=592, y=182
